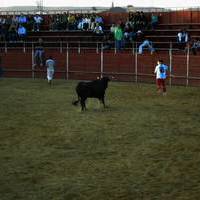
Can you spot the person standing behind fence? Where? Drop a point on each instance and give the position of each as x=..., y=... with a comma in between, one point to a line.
x=161, y=75
x=39, y=53
x=50, y=64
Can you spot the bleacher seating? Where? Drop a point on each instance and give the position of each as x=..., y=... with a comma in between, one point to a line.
x=165, y=32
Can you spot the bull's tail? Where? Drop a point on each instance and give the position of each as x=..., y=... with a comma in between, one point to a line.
x=75, y=103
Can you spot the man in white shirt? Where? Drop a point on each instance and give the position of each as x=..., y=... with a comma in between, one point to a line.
x=182, y=36
x=37, y=22
x=50, y=64
x=161, y=75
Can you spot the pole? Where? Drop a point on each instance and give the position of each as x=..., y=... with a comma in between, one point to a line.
x=170, y=64
x=61, y=50
x=97, y=49
x=133, y=49
x=67, y=62
x=136, y=64
x=102, y=60
x=24, y=48
x=188, y=64
x=6, y=49
x=33, y=67
x=79, y=48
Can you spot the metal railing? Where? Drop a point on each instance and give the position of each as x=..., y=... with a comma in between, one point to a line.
x=66, y=49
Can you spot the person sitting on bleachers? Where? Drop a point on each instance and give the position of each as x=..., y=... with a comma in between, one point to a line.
x=182, y=36
x=22, y=19
x=4, y=33
x=21, y=32
x=71, y=22
x=86, y=23
x=14, y=20
x=98, y=30
x=3, y=30
x=64, y=21
x=37, y=22
x=136, y=22
x=57, y=22
x=99, y=20
x=130, y=16
x=8, y=22
x=195, y=46
x=139, y=36
x=148, y=44
x=128, y=33
x=83, y=23
x=2, y=20
x=12, y=33
x=30, y=22
x=154, y=21
x=142, y=21
x=92, y=22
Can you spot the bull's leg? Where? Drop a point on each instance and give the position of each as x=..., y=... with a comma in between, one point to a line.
x=103, y=102
x=83, y=107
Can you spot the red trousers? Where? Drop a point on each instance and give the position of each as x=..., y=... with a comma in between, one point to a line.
x=161, y=84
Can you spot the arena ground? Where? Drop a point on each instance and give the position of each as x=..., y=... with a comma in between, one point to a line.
x=142, y=147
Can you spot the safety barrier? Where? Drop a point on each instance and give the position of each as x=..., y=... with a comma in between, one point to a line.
x=78, y=62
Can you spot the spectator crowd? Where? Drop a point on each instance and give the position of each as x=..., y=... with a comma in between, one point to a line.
x=16, y=28
x=13, y=28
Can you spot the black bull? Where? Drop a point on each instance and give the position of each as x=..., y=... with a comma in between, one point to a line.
x=92, y=89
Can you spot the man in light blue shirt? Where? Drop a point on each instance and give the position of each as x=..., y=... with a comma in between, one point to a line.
x=22, y=19
x=21, y=32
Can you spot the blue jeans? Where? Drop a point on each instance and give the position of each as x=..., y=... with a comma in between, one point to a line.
x=118, y=45
x=39, y=56
x=148, y=44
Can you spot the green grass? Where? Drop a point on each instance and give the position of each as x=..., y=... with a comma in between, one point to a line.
x=142, y=147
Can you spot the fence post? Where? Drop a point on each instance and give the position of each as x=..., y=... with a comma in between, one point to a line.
x=24, y=48
x=67, y=62
x=170, y=64
x=33, y=67
x=79, y=48
x=115, y=48
x=188, y=65
x=61, y=50
x=102, y=60
x=136, y=64
x=97, y=49
x=6, y=49
x=133, y=49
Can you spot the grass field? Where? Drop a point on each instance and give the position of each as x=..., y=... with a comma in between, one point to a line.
x=142, y=147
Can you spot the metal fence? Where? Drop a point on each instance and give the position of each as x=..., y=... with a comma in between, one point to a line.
x=76, y=61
